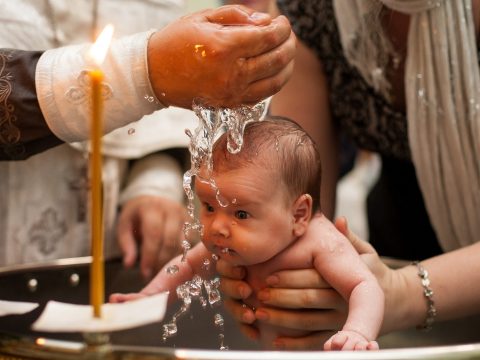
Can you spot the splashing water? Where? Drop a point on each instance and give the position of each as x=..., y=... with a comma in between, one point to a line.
x=218, y=320
x=185, y=246
x=203, y=290
x=213, y=122
x=206, y=264
x=221, y=337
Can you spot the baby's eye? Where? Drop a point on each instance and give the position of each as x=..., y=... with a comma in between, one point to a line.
x=241, y=214
x=208, y=207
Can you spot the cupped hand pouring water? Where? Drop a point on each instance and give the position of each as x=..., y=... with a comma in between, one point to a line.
x=227, y=56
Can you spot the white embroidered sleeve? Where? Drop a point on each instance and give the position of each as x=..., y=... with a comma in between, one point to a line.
x=62, y=85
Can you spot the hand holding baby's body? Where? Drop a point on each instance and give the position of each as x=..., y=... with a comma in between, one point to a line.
x=342, y=277
x=335, y=260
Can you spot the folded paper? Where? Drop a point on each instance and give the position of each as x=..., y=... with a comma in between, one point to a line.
x=15, y=307
x=63, y=317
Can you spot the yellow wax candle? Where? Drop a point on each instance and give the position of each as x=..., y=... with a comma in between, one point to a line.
x=96, y=55
x=97, y=273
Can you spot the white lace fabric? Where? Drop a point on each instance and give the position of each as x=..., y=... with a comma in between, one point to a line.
x=442, y=85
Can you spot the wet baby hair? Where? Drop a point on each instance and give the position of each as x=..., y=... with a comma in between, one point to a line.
x=281, y=145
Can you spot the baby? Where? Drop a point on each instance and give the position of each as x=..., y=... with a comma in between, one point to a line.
x=272, y=187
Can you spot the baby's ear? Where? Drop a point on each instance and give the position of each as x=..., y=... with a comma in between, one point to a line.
x=302, y=213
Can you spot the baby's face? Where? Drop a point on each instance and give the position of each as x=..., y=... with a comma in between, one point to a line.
x=258, y=222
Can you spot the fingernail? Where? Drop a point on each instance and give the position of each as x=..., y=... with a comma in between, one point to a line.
x=272, y=280
x=261, y=315
x=248, y=317
x=263, y=295
x=244, y=293
x=259, y=16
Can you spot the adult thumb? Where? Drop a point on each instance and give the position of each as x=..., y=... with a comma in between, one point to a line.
x=238, y=15
x=360, y=245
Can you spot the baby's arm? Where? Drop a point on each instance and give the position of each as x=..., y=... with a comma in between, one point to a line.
x=165, y=281
x=341, y=266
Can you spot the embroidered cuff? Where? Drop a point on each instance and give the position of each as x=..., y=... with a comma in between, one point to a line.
x=157, y=174
x=63, y=87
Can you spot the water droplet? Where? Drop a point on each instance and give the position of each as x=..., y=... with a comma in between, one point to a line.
x=186, y=246
x=213, y=293
x=169, y=330
x=206, y=264
x=149, y=98
x=195, y=289
x=221, y=337
x=218, y=320
x=173, y=269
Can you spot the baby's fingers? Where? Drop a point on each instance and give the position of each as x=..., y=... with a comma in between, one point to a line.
x=336, y=342
x=120, y=298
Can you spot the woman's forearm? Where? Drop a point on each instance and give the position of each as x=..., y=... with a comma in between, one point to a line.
x=453, y=278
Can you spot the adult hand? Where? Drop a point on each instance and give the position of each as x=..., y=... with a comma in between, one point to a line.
x=226, y=56
x=155, y=223
x=296, y=299
x=391, y=281
x=315, y=306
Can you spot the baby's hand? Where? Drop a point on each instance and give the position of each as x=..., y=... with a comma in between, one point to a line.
x=349, y=340
x=120, y=298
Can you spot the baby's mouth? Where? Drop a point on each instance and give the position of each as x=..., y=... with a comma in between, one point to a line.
x=224, y=251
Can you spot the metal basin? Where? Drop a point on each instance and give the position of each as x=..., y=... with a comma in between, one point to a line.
x=67, y=281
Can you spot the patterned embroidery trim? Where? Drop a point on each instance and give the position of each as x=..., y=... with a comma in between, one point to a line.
x=79, y=94
x=9, y=133
x=48, y=231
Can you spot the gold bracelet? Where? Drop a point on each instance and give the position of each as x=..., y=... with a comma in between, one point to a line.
x=428, y=293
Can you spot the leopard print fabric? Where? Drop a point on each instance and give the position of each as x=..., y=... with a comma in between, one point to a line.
x=362, y=114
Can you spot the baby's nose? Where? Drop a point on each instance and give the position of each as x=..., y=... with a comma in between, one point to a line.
x=220, y=226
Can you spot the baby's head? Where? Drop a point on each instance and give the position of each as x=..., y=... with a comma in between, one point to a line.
x=281, y=146
x=271, y=187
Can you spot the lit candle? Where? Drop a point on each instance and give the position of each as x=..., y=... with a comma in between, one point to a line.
x=96, y=56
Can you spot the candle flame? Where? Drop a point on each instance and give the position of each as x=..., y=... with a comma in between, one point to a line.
x=98, y=50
